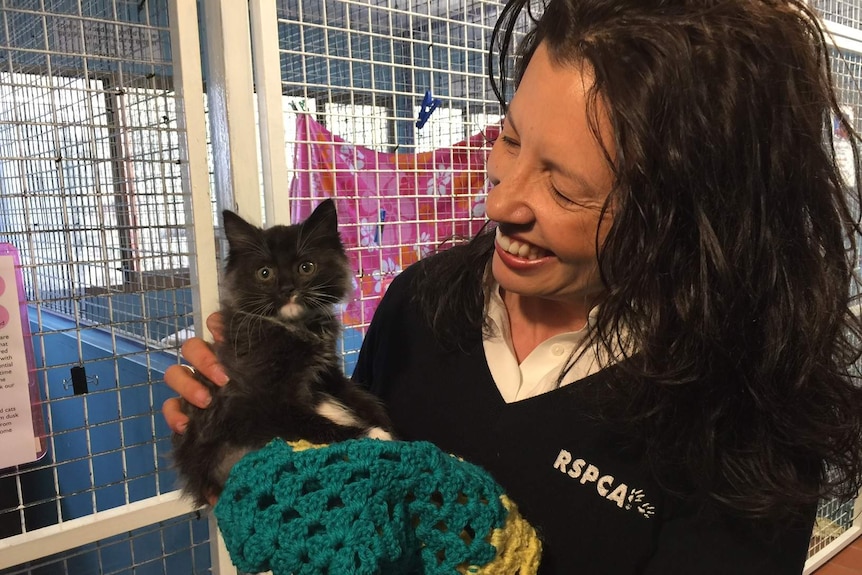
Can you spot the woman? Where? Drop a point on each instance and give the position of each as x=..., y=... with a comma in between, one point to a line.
x=652, y=351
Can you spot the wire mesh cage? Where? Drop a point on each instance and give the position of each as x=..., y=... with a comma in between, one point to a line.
x=847, y=13
x=176, y=547
x=91, y=198
x=386, y=106
x=392, y=101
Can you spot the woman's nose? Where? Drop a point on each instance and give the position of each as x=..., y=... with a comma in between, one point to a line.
x=509, y=196
x=508, y=203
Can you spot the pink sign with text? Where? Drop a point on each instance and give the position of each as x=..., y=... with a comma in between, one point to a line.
x=22, y=432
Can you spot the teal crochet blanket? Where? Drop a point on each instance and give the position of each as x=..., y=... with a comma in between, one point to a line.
x=368, y=507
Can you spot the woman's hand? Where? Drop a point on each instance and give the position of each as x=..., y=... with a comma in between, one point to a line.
x=182, y=379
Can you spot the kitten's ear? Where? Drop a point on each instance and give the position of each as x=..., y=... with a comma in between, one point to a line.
x=238, y=231
x=323, y=217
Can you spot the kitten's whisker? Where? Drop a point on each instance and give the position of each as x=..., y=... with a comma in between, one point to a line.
x=327, y=285
x=249, y=321
x=263, y=318
x=245, y=325
x=324, y=297
x=321, y=306
x=327, y=289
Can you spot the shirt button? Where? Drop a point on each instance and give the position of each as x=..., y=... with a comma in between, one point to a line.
x=557, y=349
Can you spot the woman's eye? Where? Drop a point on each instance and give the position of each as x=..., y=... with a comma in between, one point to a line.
x=507, y=144
x=264, y=273
x=562, y=199
x=307, y=268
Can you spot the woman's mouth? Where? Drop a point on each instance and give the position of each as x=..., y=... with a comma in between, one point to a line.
x=520, y=249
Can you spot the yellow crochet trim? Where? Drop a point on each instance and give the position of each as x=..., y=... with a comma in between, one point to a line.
x=518, y=546
x=302, y=445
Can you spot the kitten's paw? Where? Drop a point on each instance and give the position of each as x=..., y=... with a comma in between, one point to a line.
x=378, y=433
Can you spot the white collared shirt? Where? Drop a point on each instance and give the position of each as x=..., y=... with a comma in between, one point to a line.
x=540, y=370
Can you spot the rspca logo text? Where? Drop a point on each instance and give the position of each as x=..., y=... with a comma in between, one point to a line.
x=606, y=485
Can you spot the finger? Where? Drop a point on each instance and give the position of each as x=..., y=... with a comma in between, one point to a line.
x=175, y=418
x=198, y=353
x=216, y=326
x=182, y=380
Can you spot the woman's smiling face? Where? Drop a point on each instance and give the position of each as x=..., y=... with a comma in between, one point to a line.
x=550, y=181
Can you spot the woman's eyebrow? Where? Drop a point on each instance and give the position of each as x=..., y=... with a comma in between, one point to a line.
x=557, y=166
x=507, y=119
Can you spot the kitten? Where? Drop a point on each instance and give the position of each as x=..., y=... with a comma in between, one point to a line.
x=279, y=350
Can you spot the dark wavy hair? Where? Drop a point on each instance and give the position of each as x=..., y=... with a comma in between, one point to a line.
x=729, y=264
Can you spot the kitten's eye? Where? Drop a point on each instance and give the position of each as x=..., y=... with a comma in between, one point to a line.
x=264, y=274
x=306, y=268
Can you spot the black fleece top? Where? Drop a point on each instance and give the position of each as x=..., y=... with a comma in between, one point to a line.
x=580, y=481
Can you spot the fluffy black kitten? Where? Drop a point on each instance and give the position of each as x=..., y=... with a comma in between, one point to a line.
x=279, y=350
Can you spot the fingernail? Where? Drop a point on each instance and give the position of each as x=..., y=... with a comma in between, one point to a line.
x=203, y=398
x=181, y=427
x=221, y=377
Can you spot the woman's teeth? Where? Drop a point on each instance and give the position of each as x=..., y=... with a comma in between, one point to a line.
x=516, y=248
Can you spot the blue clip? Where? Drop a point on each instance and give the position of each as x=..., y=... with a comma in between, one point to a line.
x=429, y=104
x=378, y=233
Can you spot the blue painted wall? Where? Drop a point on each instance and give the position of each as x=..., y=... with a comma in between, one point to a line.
x=119, y=418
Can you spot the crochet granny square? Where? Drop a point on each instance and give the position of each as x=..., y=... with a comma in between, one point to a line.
x=370, y=507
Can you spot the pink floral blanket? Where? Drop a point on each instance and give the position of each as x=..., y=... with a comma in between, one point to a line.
x=393, y=208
